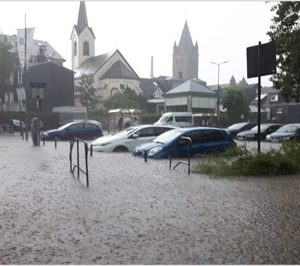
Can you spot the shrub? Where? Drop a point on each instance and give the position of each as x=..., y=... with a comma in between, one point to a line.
x=244, y=163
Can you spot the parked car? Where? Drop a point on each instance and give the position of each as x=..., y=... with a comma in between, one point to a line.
x=85, y=129
x=16, y=124
x=236, y=128
x=252, y=134
x=178, y=119
x=174, y=143
x=287, y=132
x=129, y=138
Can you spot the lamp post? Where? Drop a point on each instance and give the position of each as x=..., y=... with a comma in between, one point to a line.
x=218, y=88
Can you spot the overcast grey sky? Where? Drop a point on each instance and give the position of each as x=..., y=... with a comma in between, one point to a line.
x=141, y=29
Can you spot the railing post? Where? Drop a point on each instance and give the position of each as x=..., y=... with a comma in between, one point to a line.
x=78, y=167
x=70, y=155
x=86, y=163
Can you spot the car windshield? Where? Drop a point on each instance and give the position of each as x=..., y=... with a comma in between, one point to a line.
x=236, y=126
x=65, y=126
x=124, y=133
x=168, y=136
x=288, y=129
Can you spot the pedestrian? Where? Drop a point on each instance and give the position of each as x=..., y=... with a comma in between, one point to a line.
x=120, y=122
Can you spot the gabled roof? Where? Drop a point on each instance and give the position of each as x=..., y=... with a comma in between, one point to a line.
x=50, y=52
x=119, y=70
x=92, y=64
x=191, y=86
x=149, y=86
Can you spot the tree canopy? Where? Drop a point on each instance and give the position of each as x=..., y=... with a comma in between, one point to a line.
x=8, y=64
x=128, y=100
x=86, y=93
x=236, y=103
x=285, y=31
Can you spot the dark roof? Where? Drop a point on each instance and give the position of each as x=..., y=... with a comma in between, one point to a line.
x=148, y=86
x=119, y=70
x=82, y=20
x=49, y=64
x=92, y=64
x=192, y=87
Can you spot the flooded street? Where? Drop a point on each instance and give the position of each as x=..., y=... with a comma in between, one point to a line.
x=139, y=213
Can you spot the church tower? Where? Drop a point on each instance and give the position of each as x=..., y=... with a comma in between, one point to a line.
x=82, y=38
x=185, y=56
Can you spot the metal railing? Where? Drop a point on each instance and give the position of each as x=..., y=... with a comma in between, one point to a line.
x=77, y=165
x=188, y=162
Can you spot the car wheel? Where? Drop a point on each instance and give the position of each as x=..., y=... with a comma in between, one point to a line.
x=120, y=149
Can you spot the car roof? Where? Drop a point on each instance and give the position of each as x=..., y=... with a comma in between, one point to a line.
x=145, y=126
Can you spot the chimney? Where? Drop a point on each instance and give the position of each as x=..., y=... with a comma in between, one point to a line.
x=151, y=74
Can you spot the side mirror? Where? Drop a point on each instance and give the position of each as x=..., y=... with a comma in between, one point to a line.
x=134, y=136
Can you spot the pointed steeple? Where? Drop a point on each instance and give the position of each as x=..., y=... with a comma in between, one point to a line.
x=82, y=21
x=186, y=39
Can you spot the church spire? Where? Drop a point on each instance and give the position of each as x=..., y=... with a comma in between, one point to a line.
x=186, y=39
x=82, y=21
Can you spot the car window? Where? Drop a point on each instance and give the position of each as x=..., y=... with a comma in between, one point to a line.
x=170, y=119
x=160, y=130
x=76, y=126
x=183, y=119
x=211, y=135
x=90, y=126
x=145, y=132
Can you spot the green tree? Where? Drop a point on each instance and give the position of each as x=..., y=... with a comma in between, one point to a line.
x=86, y=93
x=236, y=103
x=8, y=64
x=285, y=31
x=128, y=100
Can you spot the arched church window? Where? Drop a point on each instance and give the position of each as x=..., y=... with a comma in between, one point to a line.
x=113, y=91
x=86, y=48
x=75, y=48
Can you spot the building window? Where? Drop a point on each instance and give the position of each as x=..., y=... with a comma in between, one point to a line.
x=75, y=48
x=279, y=110
x=113, y=91
x=86, y=48
x=21, y=41
x=274, y=98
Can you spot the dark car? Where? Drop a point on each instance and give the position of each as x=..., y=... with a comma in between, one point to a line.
x=174, y=143
x=236, y=128
x=86, y=129
x=16, y=125
x=252, y=134
x=286, y=132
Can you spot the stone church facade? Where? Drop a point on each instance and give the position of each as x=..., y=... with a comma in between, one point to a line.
x=110, y=72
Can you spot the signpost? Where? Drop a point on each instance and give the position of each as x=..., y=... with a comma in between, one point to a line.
x=261, y=61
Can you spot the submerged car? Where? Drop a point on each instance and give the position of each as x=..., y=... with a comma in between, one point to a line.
x=287, y=132
x=85, y=129
x=252, y=134
x=176, y=143
x=129, y=138
x=236, y=128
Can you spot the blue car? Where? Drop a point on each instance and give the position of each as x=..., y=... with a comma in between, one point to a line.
x=86, y=129
x=176, y=143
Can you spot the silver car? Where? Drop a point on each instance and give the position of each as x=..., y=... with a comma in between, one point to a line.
x=129, y=138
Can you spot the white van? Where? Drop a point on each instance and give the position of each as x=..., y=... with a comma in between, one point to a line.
x=177, y=119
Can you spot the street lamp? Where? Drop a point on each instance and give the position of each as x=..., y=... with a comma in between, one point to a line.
x=218, y=88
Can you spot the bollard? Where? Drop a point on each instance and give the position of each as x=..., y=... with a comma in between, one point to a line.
x=145, y=156
x=35, y=131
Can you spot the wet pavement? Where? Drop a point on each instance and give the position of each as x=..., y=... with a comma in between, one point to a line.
x=139, y=213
